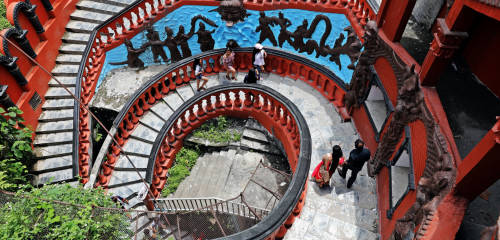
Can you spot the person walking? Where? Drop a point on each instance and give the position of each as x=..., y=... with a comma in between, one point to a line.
x=357, y=159
x=198, y=72
x=228, y=62
x=336, y=157
x=258, y=59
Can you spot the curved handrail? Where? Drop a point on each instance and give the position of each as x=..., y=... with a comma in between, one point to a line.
x=279, y=61
x=270, y=50
x=113, y=31
x=288, y=202
x=79, y=76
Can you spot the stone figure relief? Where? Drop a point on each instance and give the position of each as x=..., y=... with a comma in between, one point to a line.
x=284, y=35
x=181, y=38
x=172, y=45
x=157, y=48
x=133, y=54
x=206, y=38
x=265, y=29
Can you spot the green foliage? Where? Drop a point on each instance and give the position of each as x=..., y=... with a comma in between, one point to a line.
x=184, y=162
x=15, y=149
x=3, y=19
x=97, y=134
x=217, y=131
x=32, y=218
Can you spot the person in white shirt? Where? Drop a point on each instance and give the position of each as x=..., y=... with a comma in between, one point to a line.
x=258, y=59
x=198, y=72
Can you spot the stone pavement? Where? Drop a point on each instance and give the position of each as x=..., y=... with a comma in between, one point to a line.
x=335, y=212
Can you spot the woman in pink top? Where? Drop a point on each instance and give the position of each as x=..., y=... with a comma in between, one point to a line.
x=228, y=61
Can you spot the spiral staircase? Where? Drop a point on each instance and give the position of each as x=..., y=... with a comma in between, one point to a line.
x=339, y=212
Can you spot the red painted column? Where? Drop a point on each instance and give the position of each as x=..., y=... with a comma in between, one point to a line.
x=393, y=17
x=479, y=169
x=442, y=49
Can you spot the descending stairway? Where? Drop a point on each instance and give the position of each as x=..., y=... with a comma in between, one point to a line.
x=54, y=134
x=336, y=212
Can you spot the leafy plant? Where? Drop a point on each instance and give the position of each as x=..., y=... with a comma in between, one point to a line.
x=217, y=131
x=30, y=217
x=15, y=149
x=184, y=162
x=4, y=23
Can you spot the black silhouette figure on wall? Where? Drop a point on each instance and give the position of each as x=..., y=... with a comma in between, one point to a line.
x=299, y=35
x=156, y=48
x=312, y=45
x=351, y=48
x=181, y=38
x=133, y=54
x=205, y=38
x=265, y=29
x=284, y=35
x=172, y=45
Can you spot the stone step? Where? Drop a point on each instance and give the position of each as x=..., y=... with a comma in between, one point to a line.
x=162, y=110
x=53, y=151
x=52, y=164
x=65, y=70
x=254, y=135
x=144, y=132
x=89, y=16
x=72, y=48
x=80, y=26
x=65, y=81
x=225, y=168
x=258, y=147
x=151, y=120
x=120, y=3
x=121, y=177
x=54, y=177
x=243, y=166
x=185, y=92
x=209, y=188
x=77, y=38
x=58, y=104
x=98, y=7
x=137, y=147
x=59, y=93
x=56, y=115
x=173, y=100
x=50, y=127
x=139, y=162
x=209, y=170
x=69, y=59
x=53, y=139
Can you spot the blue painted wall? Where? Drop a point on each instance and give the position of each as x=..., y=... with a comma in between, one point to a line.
x=243, y=32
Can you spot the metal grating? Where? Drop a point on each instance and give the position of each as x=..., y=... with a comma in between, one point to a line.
x=35, y=101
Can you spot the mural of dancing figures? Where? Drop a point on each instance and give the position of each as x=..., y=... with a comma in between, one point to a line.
x=326, y=38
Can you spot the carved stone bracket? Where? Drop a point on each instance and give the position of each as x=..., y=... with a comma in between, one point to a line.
x=11, y=65
x=445, y=41
x=29, y=10
x=21, y=39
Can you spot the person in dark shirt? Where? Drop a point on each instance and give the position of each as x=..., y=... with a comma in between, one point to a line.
x=357, y=159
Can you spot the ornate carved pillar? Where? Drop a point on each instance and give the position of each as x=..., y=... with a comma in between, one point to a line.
x=444, y=45
x=4, y=98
